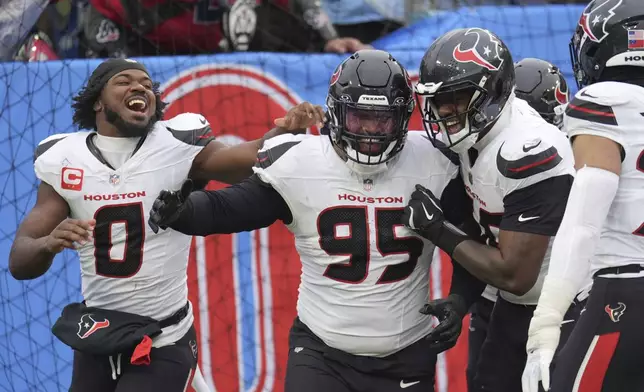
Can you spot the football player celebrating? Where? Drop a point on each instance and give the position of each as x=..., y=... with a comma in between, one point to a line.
x=517, y=169
x=542, y=85
x=603, y=229
x=364, y=277
x=96, y=189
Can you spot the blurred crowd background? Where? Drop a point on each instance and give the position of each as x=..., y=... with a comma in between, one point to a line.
x=41, y=30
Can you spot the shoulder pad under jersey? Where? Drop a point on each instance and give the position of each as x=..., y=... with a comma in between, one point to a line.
x=190, y=128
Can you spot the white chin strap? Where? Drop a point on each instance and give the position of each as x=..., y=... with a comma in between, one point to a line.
x=467, y=142
x=363, y=169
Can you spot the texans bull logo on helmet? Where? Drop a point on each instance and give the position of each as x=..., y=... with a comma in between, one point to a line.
x=87, y=326
x=335, y=76
x=561, y=96
x=594, y=19
x=485, y=51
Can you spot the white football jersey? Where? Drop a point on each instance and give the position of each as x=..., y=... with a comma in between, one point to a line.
x=513, y=181
x=364, y=275
x=125, y=266
x=616, y=111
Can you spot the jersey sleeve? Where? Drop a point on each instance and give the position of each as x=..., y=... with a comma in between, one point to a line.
x=45, y=166
x=271, y=167
x=278, y=162
x=592, y=112
x=191, y=131
x=535, y=178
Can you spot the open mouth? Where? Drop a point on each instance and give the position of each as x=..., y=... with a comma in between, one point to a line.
x=369, y=146
x=453, y=126
x=137, y=104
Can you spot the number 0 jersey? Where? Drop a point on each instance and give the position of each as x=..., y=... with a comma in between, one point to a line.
x=125, y=266
x=616, y=111
x=364, y=275
x=518, y=178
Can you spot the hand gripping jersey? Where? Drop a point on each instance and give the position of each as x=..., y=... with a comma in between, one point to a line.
x=364, y=275
x=520, y=180
x=125, y=266
x=616, y=111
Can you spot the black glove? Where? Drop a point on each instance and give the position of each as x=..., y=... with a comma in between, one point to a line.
x=450, y=312
x=424, y=215
x=168, y=206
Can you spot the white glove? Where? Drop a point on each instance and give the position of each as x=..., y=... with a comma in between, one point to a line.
x=537, y=368
x=543, y=335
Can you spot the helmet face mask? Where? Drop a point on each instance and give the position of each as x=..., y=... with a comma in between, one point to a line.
x=369, y=103
x=451, y=111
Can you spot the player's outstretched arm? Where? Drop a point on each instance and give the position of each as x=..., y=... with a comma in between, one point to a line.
x=249, y=205
x=231, y=164
x=43, y=233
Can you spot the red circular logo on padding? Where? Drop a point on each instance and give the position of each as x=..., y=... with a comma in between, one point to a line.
x=239, y=101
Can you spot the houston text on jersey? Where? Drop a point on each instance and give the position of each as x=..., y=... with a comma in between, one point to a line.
x=115, y=196
x=371, y=200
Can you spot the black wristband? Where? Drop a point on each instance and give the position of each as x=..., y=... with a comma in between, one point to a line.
x=449, y=237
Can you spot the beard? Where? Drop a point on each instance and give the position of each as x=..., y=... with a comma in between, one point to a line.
x=128, y=129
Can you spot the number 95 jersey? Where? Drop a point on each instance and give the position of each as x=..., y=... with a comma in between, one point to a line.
x=125, y=266
x=364, y=275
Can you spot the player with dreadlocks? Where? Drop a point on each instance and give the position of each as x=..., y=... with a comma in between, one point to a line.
x=96, y=189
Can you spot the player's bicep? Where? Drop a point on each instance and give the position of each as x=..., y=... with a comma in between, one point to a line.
x=526, y=252
x=597, y=151
x=537, y=208
x=50, y=209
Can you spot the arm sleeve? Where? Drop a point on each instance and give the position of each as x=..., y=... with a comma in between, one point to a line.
x=538, y=208
x=246, y=206
x=590, y=200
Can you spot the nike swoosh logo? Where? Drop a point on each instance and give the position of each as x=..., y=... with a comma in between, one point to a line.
x=585, y=94
x=529, y=218
x=404, y=384
x=202, y=120
x=527, y=147
x=429, y=217
x=567, y=321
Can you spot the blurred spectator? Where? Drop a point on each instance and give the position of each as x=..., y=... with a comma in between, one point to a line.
x=300, y=26
x=17, y=20
x=117, y=28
